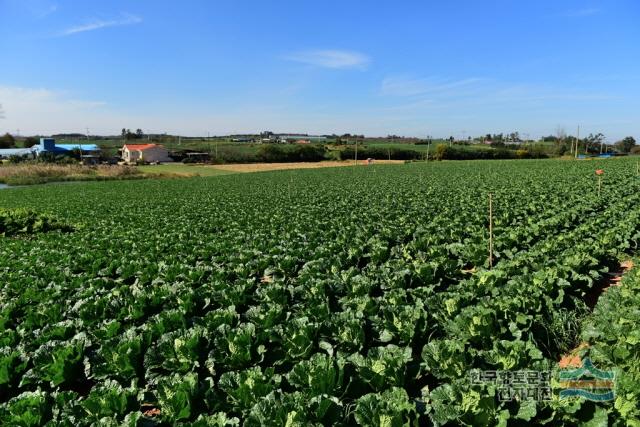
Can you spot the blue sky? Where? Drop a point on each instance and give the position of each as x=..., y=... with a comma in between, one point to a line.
x=374, y=67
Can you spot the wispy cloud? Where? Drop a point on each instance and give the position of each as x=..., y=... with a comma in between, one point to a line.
x=587, y=11
x=331, y=58
x=436, y=94
x=47, y=10
x=39, y=8
x=125, y=19
x=41, y=110
x=408, y=86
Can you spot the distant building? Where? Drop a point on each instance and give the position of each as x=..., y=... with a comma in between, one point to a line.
x=6, y=153
x=151, y=153
x=296, y=138
x=48, y=145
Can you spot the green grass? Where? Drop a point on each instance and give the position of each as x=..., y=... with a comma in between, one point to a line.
x=423, y=148
x=180, y=168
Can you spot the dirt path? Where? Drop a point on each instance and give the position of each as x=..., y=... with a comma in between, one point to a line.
x=610, y=279
x=261, y=167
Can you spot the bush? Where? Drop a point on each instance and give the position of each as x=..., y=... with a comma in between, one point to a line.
x=55, y=158
x=272, y=153
x=309, y=153
x=380, y=153
x=444, y=152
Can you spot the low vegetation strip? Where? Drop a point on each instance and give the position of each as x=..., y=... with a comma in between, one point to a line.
x=40, y=173
x=179, y=169
x=263, y=167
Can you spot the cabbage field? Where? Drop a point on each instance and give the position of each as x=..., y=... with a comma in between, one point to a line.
x=346, y=296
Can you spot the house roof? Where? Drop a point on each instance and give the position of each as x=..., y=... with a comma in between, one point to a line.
x=140, y=147
x=83, y=147
x=65, y=148
x=6, y=152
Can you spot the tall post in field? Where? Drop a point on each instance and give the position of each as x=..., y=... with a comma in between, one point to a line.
x=577, y=142
x=599, y=184
x=490, y=231
x=356, y=152
x=572, y=142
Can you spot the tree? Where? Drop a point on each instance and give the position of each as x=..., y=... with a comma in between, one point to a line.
x=440, y=152
x=30, y=141
x=626, y=145
x=7, y=141
x=593, y=143
x=127, y=134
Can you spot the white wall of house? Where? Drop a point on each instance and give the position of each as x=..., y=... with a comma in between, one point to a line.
x=150, y=154
x=155, y=154
x=130, y=156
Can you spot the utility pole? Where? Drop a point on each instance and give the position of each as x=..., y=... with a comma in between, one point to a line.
x=356, y=151
x=577, y=141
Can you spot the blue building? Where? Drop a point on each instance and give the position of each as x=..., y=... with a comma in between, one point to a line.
x=48, y=145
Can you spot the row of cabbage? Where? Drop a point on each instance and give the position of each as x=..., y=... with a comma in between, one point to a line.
x=344, y=296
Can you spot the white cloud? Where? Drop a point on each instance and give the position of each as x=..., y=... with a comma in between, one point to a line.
x=588, y=11
x=125, y=19
x=47, y=10
x=39, y=9
x=331, y=58
x=407, y=86
x=43, y=111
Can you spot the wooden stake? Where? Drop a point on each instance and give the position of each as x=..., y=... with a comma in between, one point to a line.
x=490, y=231
x=356, y=151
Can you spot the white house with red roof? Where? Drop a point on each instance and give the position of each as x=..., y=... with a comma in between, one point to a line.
x=151, y=153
